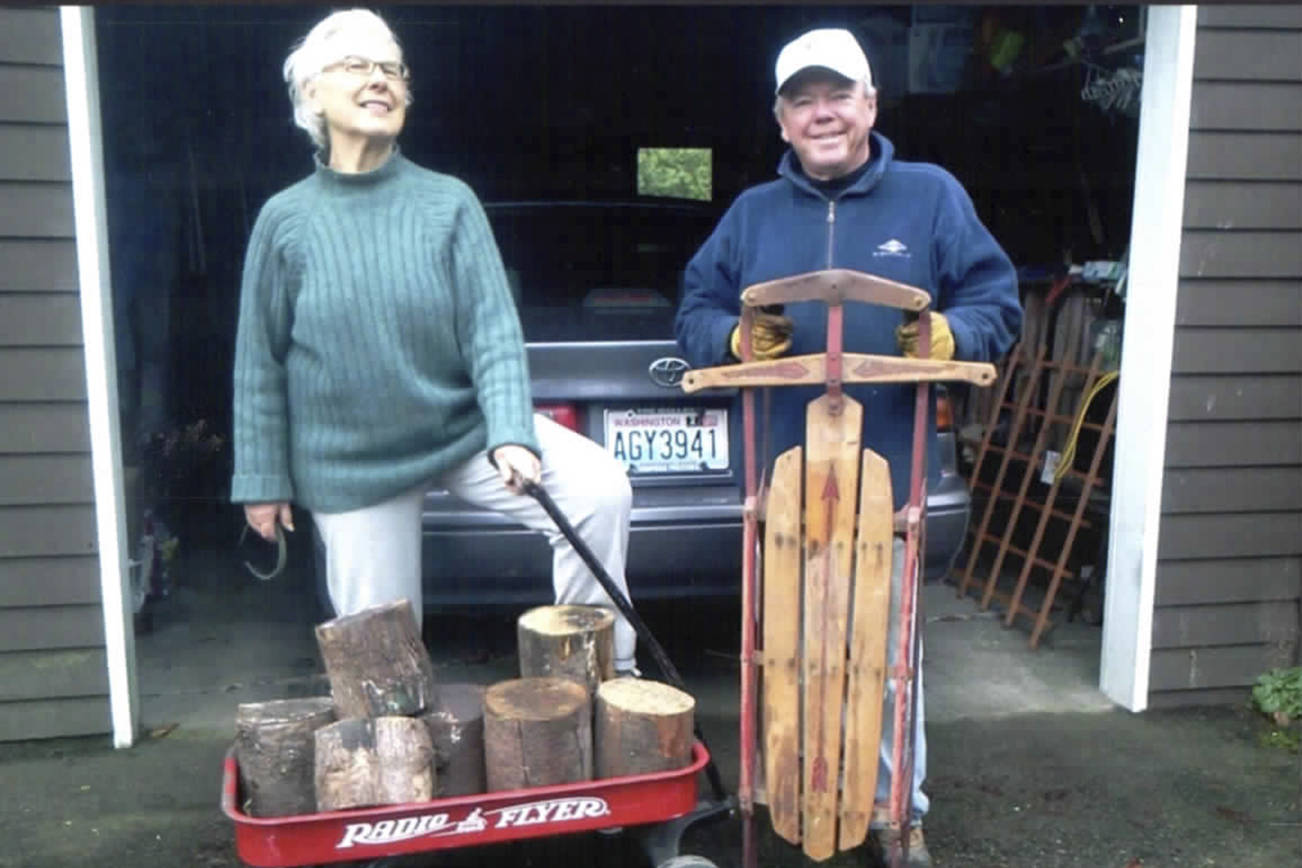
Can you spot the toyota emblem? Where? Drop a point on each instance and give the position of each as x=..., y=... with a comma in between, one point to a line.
x=667, y=371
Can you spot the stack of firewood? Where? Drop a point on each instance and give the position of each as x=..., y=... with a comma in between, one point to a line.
x=388, y=734
x=539, y=729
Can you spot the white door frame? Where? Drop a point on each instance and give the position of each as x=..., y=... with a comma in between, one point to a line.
x=1145, y=382
x=86, y=140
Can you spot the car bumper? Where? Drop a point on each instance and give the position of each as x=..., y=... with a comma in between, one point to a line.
x=514, y=566
x=473, y=557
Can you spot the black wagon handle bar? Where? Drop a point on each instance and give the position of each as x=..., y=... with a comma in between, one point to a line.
x=671, y=674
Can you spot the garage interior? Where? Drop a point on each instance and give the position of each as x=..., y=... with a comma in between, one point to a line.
x=1034, y=109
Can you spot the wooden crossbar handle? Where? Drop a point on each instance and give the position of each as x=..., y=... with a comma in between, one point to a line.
x=865, y=368
x=835, y=285
x=858, y=368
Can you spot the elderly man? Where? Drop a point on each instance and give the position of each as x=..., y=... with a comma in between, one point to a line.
x=842, y=200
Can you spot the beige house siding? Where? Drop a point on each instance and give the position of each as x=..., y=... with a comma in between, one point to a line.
x=53, y=675
x=1229, y=574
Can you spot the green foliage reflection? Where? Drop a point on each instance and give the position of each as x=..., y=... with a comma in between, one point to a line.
x=683, y=173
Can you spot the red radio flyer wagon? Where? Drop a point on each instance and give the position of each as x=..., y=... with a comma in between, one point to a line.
x=656, y=807
x=660, y=806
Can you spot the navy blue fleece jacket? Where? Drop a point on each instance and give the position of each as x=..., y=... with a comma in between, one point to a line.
x=909, y=222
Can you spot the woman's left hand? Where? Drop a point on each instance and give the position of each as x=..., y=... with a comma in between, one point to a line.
x=517, y=465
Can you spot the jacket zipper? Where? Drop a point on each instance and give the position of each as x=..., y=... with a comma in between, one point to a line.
x=831, y=228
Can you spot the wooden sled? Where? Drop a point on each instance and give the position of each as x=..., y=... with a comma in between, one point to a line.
x=823, y=605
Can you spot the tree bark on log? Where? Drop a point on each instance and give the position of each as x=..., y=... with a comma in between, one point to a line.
x=275, y=752
x=456, y=728
x=574, y=642
x=642, y=727
x=537, y=732
x=365, y=761
x=376, y=662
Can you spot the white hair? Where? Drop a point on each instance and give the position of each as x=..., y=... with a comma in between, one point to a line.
x=320, y=48
x=868, y=92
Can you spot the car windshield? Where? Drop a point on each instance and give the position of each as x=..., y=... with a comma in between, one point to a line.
x=588, y=271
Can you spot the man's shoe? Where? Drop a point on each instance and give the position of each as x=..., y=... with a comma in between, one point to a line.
x=883, y=839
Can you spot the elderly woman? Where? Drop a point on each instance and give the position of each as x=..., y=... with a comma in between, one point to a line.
x=379, y=351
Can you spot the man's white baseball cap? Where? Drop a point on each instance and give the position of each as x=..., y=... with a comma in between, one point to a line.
x=829, y=48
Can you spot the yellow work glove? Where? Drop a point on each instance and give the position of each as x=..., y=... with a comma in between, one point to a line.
x=770, y=336
x=942, y=339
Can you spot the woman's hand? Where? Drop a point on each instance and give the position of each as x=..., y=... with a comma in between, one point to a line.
x=262, y=517
x=517, y=465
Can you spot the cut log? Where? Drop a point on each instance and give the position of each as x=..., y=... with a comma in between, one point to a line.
x=365, y=761
x=456, y=728
x=376, y=662
x=274, y=749
x=537, y=732
x=642, y=727
x=574, y=642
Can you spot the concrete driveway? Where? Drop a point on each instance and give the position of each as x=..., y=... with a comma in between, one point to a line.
x=1030, y=766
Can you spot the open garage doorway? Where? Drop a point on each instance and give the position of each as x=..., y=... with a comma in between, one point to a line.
x=1034, y=109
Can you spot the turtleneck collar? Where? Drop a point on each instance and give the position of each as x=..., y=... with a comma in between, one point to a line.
x=354, y=180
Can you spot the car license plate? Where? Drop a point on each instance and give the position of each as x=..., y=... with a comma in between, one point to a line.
x=668, y=440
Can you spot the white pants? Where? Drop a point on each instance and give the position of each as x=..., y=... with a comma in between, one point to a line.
x=373, y=553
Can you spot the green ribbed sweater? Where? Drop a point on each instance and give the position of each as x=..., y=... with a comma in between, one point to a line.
x=378, y=344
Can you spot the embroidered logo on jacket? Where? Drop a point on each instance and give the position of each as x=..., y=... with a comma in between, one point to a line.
x=894, y=247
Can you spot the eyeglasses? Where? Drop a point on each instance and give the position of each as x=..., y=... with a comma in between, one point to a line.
x=363, y=67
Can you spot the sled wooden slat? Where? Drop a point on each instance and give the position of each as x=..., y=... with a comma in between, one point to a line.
x=831, y=474
x=867, y=670
x=781, y=682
